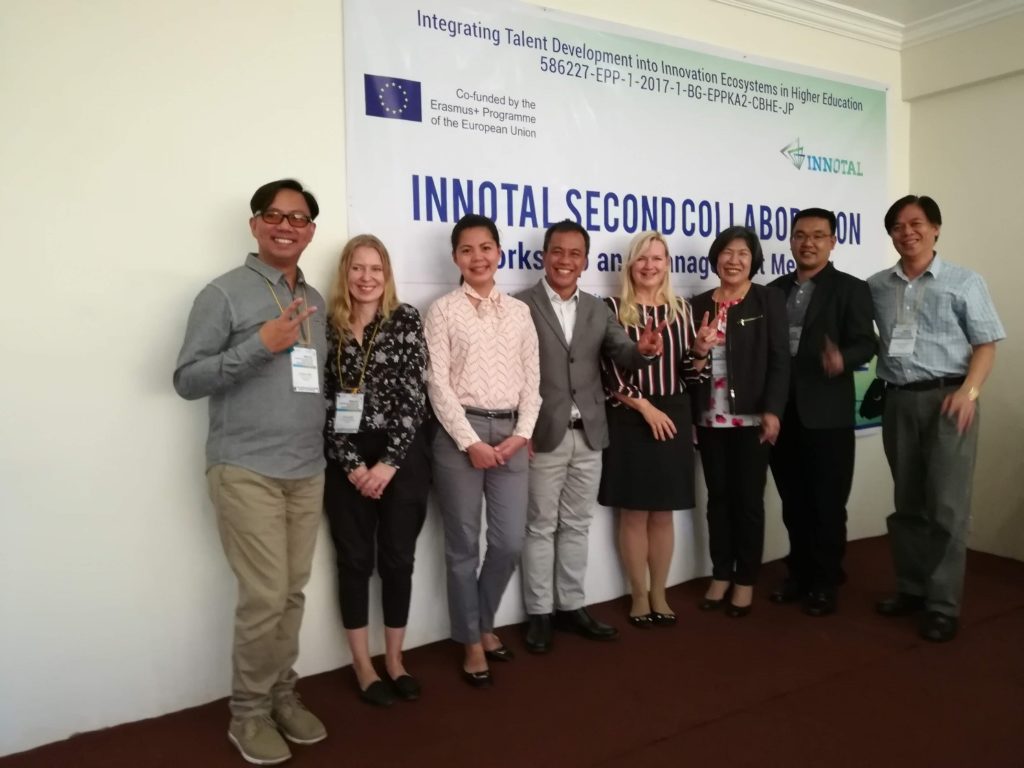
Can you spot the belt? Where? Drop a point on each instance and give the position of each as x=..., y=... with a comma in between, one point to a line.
x=508, y=413
x=927, y=384
x=575, y=423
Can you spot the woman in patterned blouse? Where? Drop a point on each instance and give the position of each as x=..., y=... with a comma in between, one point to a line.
x=378, y=468
x=738, y=413
x=485, y=388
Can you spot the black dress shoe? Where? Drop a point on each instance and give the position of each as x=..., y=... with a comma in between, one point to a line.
x=938, y=627
x=820, y=603
x=738, y=611
x=406, y=687
x=582, y=623
x=788, y=591
x=901, y=605
x=501, y=653
x=538, y=633
x=378, y=693
x=642, y=622
x=663, y=619
x=477, y=679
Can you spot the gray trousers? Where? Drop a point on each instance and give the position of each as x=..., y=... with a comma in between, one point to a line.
x=473, y=598
x=563, y=491
x=932, y=469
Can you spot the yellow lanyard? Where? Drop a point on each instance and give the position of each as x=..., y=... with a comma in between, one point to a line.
x=309, y=335
x=366, y=361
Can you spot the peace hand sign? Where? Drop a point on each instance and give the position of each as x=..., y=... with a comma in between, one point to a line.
x=282, y=332
x=650, y=343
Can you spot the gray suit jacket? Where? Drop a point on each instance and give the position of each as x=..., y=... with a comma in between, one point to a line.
x=572, y=372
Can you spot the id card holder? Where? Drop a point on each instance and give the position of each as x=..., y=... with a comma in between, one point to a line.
x=305, y=376
x=794, y=339
x=904, y=335
x=348, y=412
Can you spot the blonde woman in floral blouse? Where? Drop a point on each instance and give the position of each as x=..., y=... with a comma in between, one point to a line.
x=378, y=469
x=485, y=388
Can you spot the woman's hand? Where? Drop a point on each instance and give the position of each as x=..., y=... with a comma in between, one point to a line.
x=356, y=475
x=374, y=480
x=706, y=338
x=769, y=428
x=650, y=343
x=662, y=427
x=508, y=447
x=482, y=456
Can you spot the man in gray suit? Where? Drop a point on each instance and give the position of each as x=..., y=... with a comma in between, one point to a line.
x=574, y=330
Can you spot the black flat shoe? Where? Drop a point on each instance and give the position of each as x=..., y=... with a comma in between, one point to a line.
x=406, y=687
x=707, y=604
x=738, y=611
x=583, y=624
x=938, y=627
x=663, y=619
x=501, y=653
x=820, y=603
x=378, y=693
x=642, y=622
x=477, y=679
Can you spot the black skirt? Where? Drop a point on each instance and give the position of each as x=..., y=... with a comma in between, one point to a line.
x=640, y=472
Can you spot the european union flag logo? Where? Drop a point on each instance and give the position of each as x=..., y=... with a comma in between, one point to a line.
x=393, y=97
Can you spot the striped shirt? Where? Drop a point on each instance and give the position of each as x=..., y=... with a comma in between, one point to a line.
x=669, y=374
x=482, y=357
x=952, y=309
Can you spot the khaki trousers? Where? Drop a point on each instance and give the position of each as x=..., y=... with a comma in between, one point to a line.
x=268, y=530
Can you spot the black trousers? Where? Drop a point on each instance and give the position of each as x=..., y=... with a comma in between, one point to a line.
x=813, y=470
x=389, y=525
x=735, y=471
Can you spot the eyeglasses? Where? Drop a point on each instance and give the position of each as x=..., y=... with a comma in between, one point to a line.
x=297, y=220
x=817, y=237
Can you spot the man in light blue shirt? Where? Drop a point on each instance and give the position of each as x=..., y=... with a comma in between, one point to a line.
x=938, y=331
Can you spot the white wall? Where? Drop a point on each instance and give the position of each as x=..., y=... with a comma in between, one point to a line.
x=966, y=153
x=134, y=134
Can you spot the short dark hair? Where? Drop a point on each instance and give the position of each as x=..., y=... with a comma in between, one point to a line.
x=816, y=213
x=470, y=221
x=567, y=225
x=929, y=206
x=737, y=233
x=263, y=197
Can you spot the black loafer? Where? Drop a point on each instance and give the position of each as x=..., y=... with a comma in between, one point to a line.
x=663, y=619
x=820, y=603
x=938, y=627
x=582, y=623
x=378, y=693
x=788, y=591
x=406, y=687
x=900, y=605
x=477, y=679
x=538, y=633
x=642, y=622
x=501, y=653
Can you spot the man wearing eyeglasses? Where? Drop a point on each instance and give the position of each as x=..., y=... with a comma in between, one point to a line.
x=255, y=345
x=830, y=335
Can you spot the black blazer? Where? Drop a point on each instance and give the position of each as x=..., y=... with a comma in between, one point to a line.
x=757, y=351
x=840, y=308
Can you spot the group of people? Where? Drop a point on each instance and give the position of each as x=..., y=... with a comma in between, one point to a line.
x=532, y=408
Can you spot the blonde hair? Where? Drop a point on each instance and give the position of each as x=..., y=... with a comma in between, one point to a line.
x=628, y=314
x=339, y=310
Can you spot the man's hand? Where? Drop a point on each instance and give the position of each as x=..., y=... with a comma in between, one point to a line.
x=769, y=428
x=508, y=447
x=959, y=407
x=662, y=427
x=706, y=338
x=831, y=358
x=374, y=481
x=282, y=332
x=482, y=456
x=650, y=343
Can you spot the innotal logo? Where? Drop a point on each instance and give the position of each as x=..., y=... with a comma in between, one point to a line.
x=794, y=152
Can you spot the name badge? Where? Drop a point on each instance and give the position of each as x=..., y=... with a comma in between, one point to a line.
x=348, y=412
x=305, y=376
x=902, y=342
x=794, y=338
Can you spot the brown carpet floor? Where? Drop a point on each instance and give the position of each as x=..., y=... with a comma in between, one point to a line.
x=774, y=689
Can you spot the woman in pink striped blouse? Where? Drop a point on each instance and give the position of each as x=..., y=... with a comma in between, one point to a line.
x=484, y=385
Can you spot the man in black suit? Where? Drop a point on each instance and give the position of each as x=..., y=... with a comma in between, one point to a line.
x=574, y=329
x=831, y=333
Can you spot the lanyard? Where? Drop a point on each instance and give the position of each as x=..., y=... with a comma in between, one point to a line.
x=309, y=335
x=366, y=361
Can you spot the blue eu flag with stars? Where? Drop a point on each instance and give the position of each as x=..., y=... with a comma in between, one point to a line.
x=393, y=97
